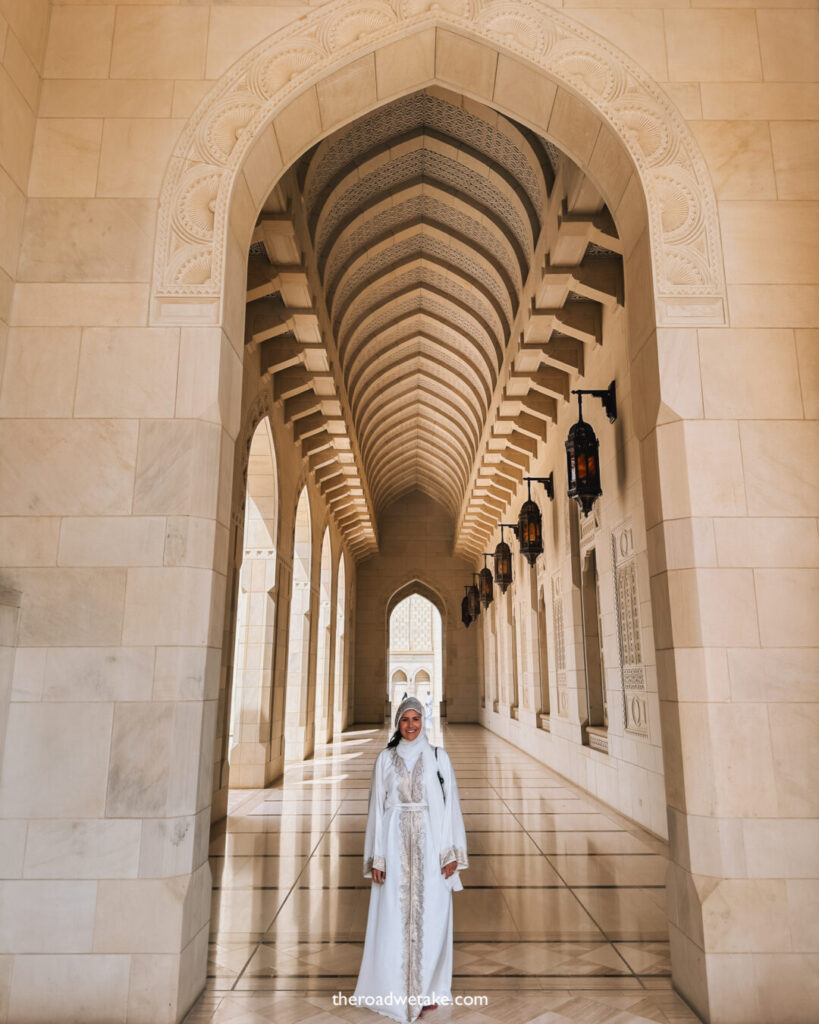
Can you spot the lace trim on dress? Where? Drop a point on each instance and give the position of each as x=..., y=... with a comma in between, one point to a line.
x=411, y=830
x=457, y=854
x=374, y=862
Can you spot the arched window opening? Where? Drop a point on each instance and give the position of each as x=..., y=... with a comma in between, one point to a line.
x=339, y=701
x=513, y=661
x=298, y=646
x=593, y=643
x=416, y=642
x=252, y=669
x=324, y=645
x=543, y=656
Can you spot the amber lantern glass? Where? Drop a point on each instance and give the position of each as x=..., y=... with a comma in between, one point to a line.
x=485, y=584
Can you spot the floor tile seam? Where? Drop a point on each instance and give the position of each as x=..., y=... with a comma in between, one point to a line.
x=579, y=902
x=281, y=906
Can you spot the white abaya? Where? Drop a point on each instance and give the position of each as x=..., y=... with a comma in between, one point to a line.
x=412, y=832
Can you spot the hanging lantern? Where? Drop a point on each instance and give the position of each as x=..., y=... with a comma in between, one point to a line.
x=485, y=585
x=530, y=521
x=503, y=563
x=474, y=599
x=466, y=618
x=582, y=451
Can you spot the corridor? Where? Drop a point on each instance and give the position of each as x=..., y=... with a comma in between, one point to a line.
x=561, y=919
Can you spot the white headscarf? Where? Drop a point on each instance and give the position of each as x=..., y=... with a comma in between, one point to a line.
x=410, y=749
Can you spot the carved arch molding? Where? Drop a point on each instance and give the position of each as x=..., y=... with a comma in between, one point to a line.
x=195, y=201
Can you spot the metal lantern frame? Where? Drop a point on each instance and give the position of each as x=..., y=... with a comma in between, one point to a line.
x=486, y=587
x=583, y=450
x=503, y=560
x=473, y=598
x=466, y=618
x=530, y=520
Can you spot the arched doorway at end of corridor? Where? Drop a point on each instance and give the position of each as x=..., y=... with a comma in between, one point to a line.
x=415, y=661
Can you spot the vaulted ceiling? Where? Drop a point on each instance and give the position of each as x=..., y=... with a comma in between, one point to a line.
x=385, y=292
x=424, y=216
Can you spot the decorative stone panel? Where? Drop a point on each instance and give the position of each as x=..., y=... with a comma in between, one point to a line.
x=192, y=238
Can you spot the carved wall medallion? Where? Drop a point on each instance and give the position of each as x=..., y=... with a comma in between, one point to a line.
x=195, y=200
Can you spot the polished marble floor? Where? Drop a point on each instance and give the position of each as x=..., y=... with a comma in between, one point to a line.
x=561, y=919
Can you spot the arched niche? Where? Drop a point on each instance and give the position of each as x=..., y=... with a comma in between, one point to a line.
x=298, y=647
x=324, y=642
x=253, y=602
x=339, y=698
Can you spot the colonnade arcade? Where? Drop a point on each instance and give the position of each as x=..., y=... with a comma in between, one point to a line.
x=400, y=237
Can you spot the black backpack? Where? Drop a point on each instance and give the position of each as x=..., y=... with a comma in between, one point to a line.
x=440, y=777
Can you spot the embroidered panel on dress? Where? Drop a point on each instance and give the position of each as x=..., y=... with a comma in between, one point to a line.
x=412, y=832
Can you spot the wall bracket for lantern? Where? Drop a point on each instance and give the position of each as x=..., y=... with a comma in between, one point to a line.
x=547, y=481
x=582, y=450
x=608, y=396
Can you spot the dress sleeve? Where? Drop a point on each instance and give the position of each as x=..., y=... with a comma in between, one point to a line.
x=374, y=839
x=453, y=845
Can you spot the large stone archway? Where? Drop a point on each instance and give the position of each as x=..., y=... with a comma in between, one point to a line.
x=346, y=58
x=730, y=749
x=548, y=73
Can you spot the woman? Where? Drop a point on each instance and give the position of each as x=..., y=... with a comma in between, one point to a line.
x=414, y=847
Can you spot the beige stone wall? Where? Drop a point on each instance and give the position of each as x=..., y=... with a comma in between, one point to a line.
x=628, y=775
x=23, y=31
x=115, y=493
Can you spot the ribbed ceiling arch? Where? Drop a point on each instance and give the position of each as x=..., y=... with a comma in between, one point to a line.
x=424, y=217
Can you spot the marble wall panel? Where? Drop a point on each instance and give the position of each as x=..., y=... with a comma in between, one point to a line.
x=405, y=64
x=112, y=540
x=72, y=781
x=127, y=373
x=143, y=915
x=770, y=242
x=749, y=374
x=67, y=607
x=171, y=605
x=97, y=673
x=84, y=305
x=186, y=673
x=342, y=94
x=519, y=88
x=65, y=157
x=774, y=454
x=17, y=125
x=79, y=42
x=40, y=374
x=87, y=98
x=739, y=158
x=13, y=204
x=712, y=46
x=98, y=987
x=177, y=468
x=83, y=848
x=82, y=240
x=796, y=159
x=159, y=42
x=788, y=41
x=134, y=154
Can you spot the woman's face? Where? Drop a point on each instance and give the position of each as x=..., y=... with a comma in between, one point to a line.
x=410, y=724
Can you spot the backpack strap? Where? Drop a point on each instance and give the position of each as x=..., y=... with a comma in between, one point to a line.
x=440, y=777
